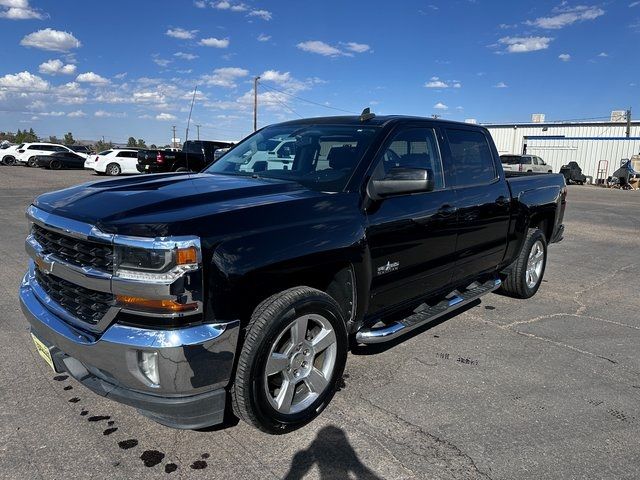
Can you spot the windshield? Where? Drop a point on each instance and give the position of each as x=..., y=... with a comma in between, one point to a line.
x=320, y=157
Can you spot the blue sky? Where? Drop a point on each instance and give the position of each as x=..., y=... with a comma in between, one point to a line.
x=123, y=69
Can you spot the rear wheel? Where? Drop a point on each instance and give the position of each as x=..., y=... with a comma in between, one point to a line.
x=55, y=165
x=31, y=162
x=524, y=276
x=292, y=359
x=113, y=169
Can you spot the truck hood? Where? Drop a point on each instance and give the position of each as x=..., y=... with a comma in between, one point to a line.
x=155, y=205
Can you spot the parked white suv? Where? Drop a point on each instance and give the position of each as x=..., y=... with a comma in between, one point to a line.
x=26, y=155
x=117, y=161
x=8, y=155
x=524, y=163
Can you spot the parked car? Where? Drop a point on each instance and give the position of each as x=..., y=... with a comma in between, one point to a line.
x=26, y=155
x=82, y=149
x=116, y=161
x=60, y=160
x=8, y=155
x=192, y=288
x=524, y=163
x=276, y=154
x=194, y=156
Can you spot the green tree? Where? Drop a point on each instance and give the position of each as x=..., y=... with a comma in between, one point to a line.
x=53, y=139
x=101, y=146
x=131, y=142
x=153, y=146
x=141, y=143
x=26, y=137
x=68, y=139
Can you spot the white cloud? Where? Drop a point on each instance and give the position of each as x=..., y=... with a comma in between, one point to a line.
x=276, y=76
x=437, y=82
x=565, y=16
x=105, y=114
x=440, y=106
x=93, y=78
x=165, y=117
x=634, y=4
x=76, y=114
x=120, y=76
x=215, y=42
x=161, y=62
x=263, y=14
x=56, y=67
x=200, y=3
x=319, y=47
x=185, y=56
x=525, y=44
x=181, y=33
x=19, y=10
x=603, y=54
x=225, y=77
x=357, y=47
x=565, y=57
x=23, y=82
x=52, y=40
x=500, y=85
x=264, y=38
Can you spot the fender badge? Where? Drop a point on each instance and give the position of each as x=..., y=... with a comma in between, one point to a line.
x=388, y=268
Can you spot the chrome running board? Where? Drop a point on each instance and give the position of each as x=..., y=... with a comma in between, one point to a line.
x=425, y=313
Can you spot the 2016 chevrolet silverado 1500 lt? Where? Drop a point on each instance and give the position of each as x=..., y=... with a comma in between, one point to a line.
x=176, y=293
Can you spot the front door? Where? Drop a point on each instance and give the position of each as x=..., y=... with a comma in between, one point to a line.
x=412, y=238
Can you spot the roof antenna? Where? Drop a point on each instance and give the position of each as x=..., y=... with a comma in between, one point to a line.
x=186, y=137
x=366, y=115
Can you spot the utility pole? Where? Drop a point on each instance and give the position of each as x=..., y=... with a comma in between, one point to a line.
x=628, y=115
x=255, y=103
x=173, y=137
x=198, y=127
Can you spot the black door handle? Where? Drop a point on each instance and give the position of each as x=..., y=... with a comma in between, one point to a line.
x=446, y=210
x=503, y=201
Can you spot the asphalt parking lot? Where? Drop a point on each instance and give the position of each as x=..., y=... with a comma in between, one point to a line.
x=510, y=389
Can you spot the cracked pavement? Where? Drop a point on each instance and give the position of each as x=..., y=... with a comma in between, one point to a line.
x=541, y=388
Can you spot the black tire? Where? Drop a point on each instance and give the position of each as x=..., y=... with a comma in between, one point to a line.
x=31, y=162
x=515, y=284
x=269, y=321
x=55, y=165
x=9, y=160
x=113, y=169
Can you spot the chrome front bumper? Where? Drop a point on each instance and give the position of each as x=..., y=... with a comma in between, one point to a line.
x=194, y=363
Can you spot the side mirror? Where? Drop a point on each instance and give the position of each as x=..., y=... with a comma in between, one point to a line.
x=401, y=181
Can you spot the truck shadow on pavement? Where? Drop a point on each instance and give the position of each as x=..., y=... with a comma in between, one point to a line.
x=334, y=456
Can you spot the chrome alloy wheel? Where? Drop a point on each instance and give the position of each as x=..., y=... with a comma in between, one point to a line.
x=300, y=364
x=535, y=264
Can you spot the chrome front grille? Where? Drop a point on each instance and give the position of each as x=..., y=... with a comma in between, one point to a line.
x=82, y=253
x=86, y=305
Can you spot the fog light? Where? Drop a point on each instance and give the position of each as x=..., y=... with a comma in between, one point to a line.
x=148, y=363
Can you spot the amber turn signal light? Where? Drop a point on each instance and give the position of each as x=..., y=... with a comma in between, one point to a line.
x=155, y=305
x=185, y=256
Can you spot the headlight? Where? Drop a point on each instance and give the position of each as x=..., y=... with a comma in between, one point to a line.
x=161, y=262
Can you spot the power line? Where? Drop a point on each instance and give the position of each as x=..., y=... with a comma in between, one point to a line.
x=286, y=106
x=307, y=100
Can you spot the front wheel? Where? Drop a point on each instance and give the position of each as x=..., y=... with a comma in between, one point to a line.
x=31, y=162
x=524, y=276
x=55, y=165
x=293, y=357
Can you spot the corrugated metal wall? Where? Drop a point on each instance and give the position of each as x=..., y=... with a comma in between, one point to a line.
x=587, y=152
x=510, y=138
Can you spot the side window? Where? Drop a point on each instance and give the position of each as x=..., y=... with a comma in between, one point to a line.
x=122, y=154
x=287, y=150
x=34, y=147
x=540, y=161
x=471, y=155
x=60, y=149
x=413, y=148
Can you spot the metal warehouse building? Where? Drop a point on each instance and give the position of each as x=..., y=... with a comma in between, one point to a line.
x=594, y=145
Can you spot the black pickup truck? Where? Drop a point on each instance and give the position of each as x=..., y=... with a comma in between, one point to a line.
x=194, y=156
x=182, y=293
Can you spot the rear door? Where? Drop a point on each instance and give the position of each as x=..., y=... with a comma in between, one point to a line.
x=483, y=201
x=412, y=237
